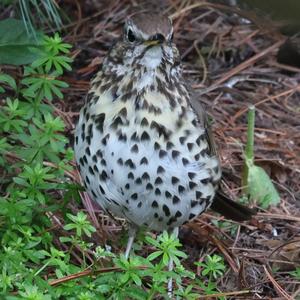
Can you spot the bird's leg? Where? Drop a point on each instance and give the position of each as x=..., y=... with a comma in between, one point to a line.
x=131, y=236
x=171, y=265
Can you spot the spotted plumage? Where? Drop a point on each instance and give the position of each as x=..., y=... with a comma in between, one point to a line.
x=164, y=170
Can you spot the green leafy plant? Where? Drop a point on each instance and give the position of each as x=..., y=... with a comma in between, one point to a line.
x=40, y=85
x=167, y=245
x=34, y=158
x=213, y=266
x=256, y=181
x=50, y=55
x=138, y=271
x=11, y=116
x=80, y=224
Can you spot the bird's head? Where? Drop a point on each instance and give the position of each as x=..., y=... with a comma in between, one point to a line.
x=148, y=41
x=148, y=29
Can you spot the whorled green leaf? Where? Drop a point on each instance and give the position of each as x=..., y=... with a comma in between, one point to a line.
x=154, y=255
x=15, y=44
x=7, y=79
x=261, y=188
x=137, y=280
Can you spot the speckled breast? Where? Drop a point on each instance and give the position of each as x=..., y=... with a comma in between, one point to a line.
x=146, y=161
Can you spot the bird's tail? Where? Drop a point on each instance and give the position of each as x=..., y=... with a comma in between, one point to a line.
x=231, y=209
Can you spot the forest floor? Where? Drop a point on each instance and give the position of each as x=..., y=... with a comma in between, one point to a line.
x=229, y=57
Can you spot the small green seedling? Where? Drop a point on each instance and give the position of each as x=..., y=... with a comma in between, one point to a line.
x=256, y=181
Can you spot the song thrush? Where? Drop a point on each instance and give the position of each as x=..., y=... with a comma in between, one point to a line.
x=143, y=145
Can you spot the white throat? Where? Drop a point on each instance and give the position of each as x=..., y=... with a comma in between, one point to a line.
x=152, y=58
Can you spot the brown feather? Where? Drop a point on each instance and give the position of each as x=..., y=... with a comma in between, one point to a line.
x=231, y=209
x=221, y=203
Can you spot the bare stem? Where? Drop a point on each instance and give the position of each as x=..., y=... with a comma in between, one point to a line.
x=249, y=151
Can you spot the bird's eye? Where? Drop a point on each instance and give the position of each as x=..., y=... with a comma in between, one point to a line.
x=130, y=36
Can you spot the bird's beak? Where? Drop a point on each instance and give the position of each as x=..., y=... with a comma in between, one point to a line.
x=152, y=42
x=155, y=39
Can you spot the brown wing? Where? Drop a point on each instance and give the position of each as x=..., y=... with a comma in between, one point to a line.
x=221, y=203
x=202, y=116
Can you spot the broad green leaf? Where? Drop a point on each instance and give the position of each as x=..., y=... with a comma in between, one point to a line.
x=15, y=44
x=261, y=188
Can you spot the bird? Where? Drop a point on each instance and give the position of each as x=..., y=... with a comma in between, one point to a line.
x=143, y=144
